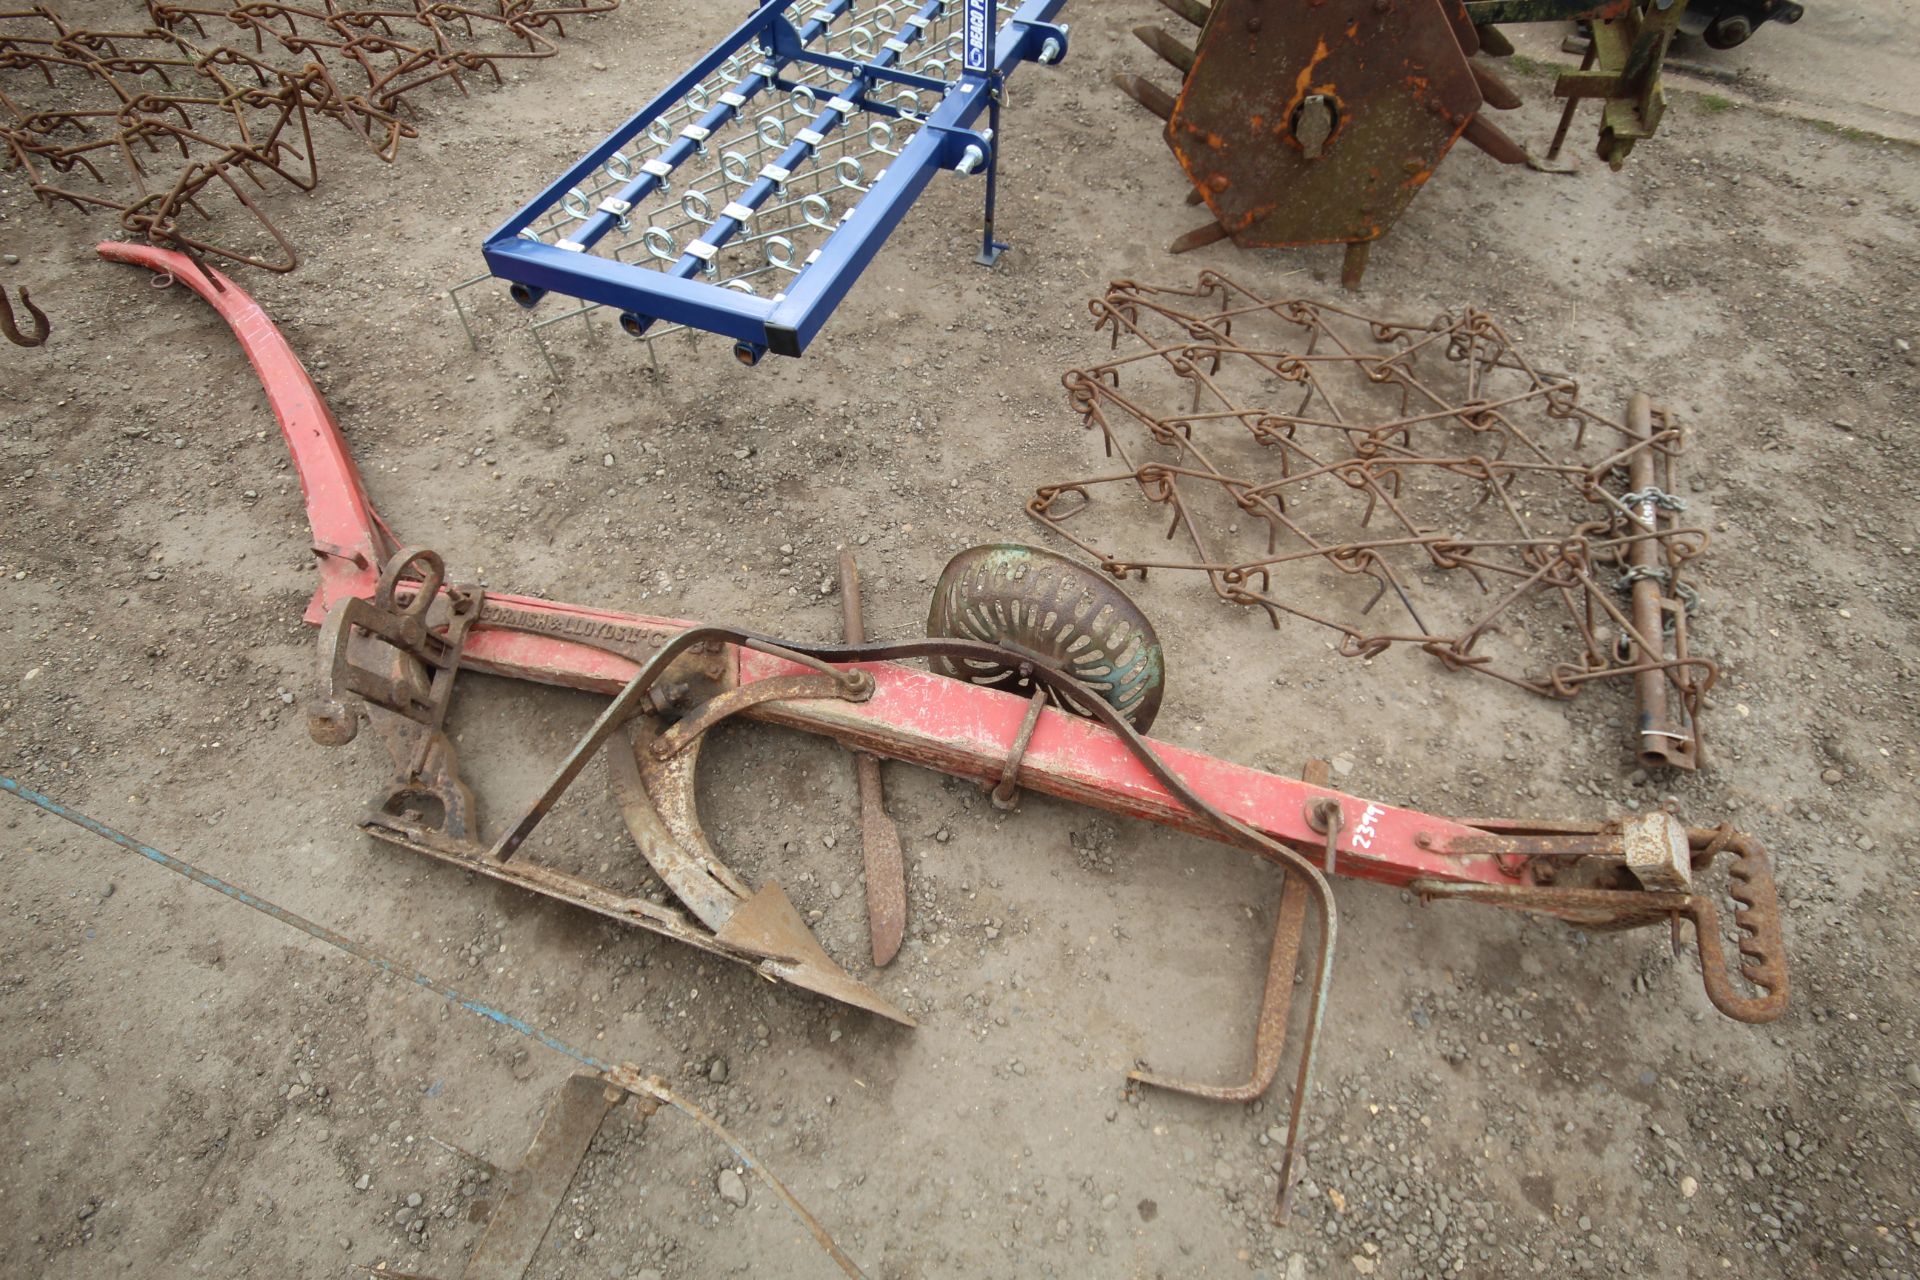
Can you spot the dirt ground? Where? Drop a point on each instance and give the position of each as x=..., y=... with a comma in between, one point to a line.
x=189, y=1089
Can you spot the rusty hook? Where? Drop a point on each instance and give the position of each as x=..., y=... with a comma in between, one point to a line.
x=41, y=326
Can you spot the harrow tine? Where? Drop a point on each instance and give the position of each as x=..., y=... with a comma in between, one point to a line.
x=1157, y=39
x=1147, y=94
x=1495, y=141
x=1192, y=10
x=1499, y=94
x=1199, y=238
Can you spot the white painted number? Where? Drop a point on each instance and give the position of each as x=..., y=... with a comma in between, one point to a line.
x=1364, y=833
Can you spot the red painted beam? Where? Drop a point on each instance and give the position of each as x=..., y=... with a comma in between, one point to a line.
x=915, y=716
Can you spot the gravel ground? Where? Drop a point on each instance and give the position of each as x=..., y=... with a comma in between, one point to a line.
x=191, y=1089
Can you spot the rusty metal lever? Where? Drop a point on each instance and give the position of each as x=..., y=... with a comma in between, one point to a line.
x=885, y=863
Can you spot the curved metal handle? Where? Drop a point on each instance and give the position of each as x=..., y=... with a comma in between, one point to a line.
x=1763, y=954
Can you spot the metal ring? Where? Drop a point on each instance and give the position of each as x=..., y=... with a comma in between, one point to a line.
x=619, y=166
x=734, y=167
x=660, y=132
x=880, y=137
x=659, y=242
x=700, y=95
x=575, y=203
x=741, y=285
x=696, y=206
x=773, y=131
x=818, y=211
x=779, y=251
x=860, y=42
x=804, y=99
x=850, y=171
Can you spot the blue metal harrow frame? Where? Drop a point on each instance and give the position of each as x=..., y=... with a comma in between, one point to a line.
x=747, y=198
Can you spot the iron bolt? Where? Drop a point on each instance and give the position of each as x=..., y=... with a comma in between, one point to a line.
x=1050, y=51
x=970, y=159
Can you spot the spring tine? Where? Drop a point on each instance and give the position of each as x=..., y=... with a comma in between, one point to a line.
x=1192, y=10
x=1156, y=39
x=1147, y=94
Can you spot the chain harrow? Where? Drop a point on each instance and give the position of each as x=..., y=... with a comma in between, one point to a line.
x=166, y=123
x=1313, y=461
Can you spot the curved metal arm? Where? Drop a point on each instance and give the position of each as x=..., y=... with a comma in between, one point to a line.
x=1763, y=952
x=349, y=537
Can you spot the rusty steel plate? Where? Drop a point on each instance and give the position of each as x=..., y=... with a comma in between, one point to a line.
x=1316, y=123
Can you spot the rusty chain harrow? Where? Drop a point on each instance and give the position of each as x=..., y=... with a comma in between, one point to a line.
x=1314, y=463
x=165, y=123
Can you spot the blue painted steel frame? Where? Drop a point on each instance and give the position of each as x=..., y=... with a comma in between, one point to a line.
x=784, y=325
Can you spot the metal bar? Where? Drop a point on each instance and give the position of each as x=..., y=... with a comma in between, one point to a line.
x=534, y=1191
x=880, y=850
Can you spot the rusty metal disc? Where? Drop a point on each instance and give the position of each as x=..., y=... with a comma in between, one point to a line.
x=1055, y=611
x=1318, y=123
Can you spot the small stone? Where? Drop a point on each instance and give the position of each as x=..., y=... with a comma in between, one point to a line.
x=1342, y=766
x=1689, y=1185
x=1913, y=1074
x=943, y=835
x=11, y=259
x=718, y=1071
x=362, y=1182
x=413, y=1200
x=1148, y=1210
x=732, y=1188
x=606, y=459
x=1362, y=1263
x=1831, y=776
